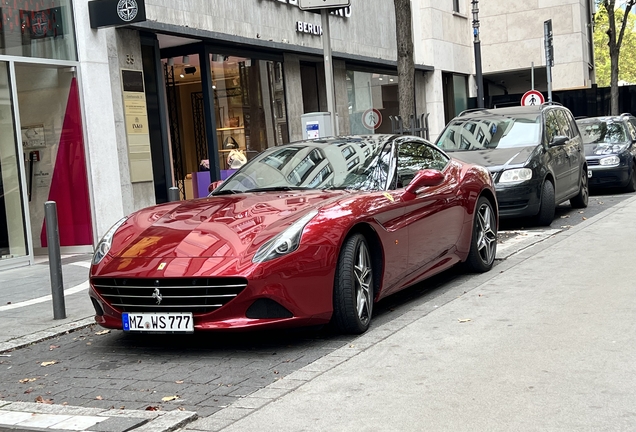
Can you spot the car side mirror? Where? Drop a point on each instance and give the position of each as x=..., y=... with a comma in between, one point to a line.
x=424, y=178
x=214, y=185
x=559, y=141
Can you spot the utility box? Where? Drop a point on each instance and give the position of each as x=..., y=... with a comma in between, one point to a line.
x=317, y=125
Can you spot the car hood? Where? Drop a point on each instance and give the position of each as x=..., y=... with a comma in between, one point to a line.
x=591, y=148
x=496, y=159
x=220, y=226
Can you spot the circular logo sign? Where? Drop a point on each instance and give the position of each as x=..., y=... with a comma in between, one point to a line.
x=127, y=10
x=532, y=97
x=371, y=119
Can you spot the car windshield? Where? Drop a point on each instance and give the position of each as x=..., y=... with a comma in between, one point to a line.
x=597, y=131
x=351, y=163
x=491, y=133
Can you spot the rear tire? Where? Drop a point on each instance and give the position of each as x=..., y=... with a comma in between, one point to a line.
x=353, y=287
x=580, y=201
x=631, y=185
x=547, y=206
x=483, y=244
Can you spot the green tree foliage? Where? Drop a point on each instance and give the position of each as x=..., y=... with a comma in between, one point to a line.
x=627, y=59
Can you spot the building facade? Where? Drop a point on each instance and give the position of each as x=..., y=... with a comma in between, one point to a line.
x=105, y=119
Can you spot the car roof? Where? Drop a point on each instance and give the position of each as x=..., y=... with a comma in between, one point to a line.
x=508, y=111
x=617, y=118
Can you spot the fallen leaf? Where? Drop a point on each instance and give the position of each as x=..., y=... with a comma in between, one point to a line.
x=179, y=382
x=463, y=320
x=89, y=343
x=52, y=347
x=169, y=398
x=152, y=408
x=41, y=400
x=103, y=332
x=27, y=380
x=581, y=212
x=48, y=363
x=181, y=408
x=99, y=398
x=565, y=216
x=29, y=390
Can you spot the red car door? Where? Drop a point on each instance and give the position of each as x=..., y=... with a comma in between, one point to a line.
x=435, y=217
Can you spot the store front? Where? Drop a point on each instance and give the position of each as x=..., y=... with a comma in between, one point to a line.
x=42, y=155
x=248, y=103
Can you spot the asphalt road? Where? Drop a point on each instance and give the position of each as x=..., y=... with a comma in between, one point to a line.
x=207, y=372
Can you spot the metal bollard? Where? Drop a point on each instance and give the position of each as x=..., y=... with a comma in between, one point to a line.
x=173, y=194
x=55, y=260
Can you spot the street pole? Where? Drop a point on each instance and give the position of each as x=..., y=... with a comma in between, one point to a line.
x=549, y=54
x=477, y=43
x=532, y=75
x=55, y=259
x=326, y=45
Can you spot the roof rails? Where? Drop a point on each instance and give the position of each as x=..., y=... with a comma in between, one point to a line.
x=471, y=110
x=550, y=103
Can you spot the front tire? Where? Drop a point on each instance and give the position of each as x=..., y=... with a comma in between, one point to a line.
x=483, y=244
x=631, y=185
x=580, y=201
x=547, y=206
x=353, y=287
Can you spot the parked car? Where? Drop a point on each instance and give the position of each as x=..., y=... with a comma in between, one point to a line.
x=535, y=155
x=610, y=151
x=305, y=233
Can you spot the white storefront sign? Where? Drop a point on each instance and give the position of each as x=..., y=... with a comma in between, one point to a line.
x=309, y=28
x=344, y=12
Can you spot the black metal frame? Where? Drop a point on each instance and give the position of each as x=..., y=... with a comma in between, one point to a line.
x=419, y=126
x=175, y=135
x=198, y=120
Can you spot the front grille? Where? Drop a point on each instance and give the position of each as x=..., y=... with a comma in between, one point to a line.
x=196, y=295
x=593, y=162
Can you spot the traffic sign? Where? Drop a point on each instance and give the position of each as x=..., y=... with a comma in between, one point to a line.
x=532, y=97
x=323, y=4
x=371, y=119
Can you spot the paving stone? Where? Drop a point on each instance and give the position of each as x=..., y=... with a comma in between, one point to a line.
x=118, y=424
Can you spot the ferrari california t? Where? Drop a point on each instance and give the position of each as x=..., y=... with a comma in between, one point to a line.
x=307, y=233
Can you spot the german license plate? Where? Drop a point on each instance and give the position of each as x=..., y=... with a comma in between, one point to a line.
x=589, y=173
x=167, y=322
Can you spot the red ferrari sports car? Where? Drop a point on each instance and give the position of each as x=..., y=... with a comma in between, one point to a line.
x=306, y=233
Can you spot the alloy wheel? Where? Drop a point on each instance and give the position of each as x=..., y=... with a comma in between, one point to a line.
x=486, y=235
x=363, y=280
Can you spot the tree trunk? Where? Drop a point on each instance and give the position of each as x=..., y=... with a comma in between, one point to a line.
x=614, y=43
x=405, y=62
x=614, y=52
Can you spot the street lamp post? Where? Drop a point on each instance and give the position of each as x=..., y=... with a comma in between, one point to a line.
x=477, y=43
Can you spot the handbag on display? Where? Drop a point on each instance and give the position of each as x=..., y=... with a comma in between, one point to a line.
x=236, y=159
x=230, y=143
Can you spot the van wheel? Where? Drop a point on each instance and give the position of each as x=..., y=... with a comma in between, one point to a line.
x=631, y=185
x=547, y=206
x=580, y=201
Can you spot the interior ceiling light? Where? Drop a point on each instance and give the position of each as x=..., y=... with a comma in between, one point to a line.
x=186, y=59
x=182, y=74
x=170, y=61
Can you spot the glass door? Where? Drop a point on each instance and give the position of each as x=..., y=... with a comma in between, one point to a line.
x=13, y=239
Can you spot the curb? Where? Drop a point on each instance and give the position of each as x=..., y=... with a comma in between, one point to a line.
x=22, y=341
x=139, y=421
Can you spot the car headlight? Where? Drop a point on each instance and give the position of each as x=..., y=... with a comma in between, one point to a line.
x=516, y=175
x=611, y=160
x=285, y=242
x=104, y=244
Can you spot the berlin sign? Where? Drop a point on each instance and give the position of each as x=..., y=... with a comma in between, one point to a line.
x=532, y=97
x=323, y=4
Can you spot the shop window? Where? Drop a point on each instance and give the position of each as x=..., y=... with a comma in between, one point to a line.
x=373, y=97
x=456, y=6
x=250, y=108
x=13, y=242
x=455, y=94
x=42, y=28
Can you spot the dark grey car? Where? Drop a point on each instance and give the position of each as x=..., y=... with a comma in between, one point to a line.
x=535, y=155
x=610, y=150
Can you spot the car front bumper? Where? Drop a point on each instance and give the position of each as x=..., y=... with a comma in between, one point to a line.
x=608, y=176
x=519, y=199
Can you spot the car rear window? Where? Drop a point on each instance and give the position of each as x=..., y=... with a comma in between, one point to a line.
x=602, y=131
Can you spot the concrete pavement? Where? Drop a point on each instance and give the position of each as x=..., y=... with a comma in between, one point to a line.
x=542, y=342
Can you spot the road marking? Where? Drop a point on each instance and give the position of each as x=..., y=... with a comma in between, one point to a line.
x=77, y=288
